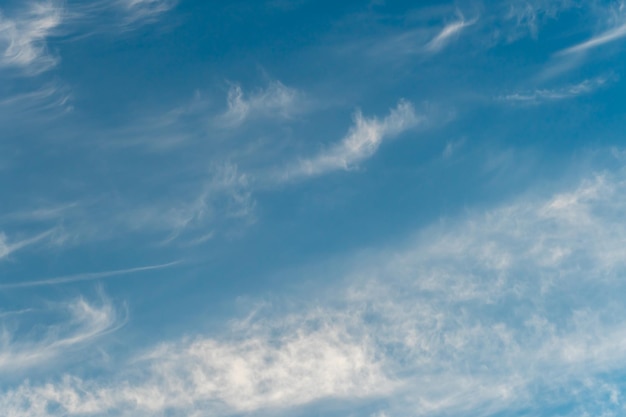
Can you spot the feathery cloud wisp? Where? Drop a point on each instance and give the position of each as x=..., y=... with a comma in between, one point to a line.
x=44, y=103
x=539, y=96
x=603, y=38
x=226, y=197
x=86, y=322
x=276, y=101
x=507, y=310
x=146, y=9
x=447, y=34
x=528, y=16
x=23, y=38
x=361, y=142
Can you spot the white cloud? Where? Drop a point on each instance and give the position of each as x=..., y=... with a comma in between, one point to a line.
x=86, y=322
x=603, y=38
x=501, y=311
x=260, y=371
x=524, y=296
x=361, y=142
x=24, y=35
x=89, y=276
x=7, y=247
x=23, y=38
x=142, y=10
x=452, y=147
x=46, y=102
x=545, y=95
x=276, y=101
x=189, y=214
x=529, y=15
x=225, y=199
x=302, y=364
x=447, y=34
x=54, y=212
x=612, y=28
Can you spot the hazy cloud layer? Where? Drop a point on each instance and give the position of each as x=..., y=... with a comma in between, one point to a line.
x=479, y=315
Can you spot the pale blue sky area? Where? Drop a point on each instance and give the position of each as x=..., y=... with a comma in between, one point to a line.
x=303, y=208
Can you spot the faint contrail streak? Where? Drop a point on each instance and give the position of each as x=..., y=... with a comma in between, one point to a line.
x=89, y=276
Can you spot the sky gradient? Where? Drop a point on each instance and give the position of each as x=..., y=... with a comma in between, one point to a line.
x=302, y=208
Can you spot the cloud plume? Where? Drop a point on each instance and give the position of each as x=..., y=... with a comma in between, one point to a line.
x=361, y=142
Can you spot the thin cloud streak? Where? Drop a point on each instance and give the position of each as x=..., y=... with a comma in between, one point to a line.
x=447, y=33
x=544, y=95
x=611, y=35
x=40, y=105
x=5, y=314
x=6, y=248
x=89, y=276
x=41, y=214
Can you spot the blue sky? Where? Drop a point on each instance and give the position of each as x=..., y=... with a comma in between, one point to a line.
x=359, y=208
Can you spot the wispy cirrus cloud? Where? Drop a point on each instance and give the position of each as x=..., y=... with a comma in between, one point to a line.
x=527, y=16
x=220, y=202
x=24, y=35
x=53, y=212
x=145, y=10
x=8, y=246
x=546, y=95
x=275, y=101
x=608, y=36
x=510, y=309
x=224, y=200
x=361, y=142
x=88, y=276
x=46, y=102
x=504, y=296
x=424, y=38
x=448, y=33
x=513, y=309
x=611, y=27
x=119, y=15
x=25, y=32
x=85, y=322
